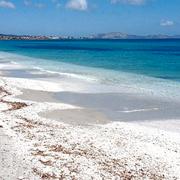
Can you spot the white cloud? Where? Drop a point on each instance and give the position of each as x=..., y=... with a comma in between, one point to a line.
x=34, y=4
x=81, y=5
x=166, y=23
x=7, y=4
x=132, y=2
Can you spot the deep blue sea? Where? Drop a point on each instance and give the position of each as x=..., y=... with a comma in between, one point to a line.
x=152, y=65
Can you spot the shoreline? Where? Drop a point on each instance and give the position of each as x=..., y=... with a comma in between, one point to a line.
x=77, y=78
x=55, y=149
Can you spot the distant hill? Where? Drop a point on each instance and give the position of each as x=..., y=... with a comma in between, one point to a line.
x=118, y=35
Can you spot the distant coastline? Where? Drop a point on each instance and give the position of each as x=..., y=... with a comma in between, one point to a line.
x=103, y=36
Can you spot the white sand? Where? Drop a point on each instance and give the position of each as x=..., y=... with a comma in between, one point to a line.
x=13, y=162
x=56, y=150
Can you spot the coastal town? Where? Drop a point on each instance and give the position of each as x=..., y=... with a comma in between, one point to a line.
x=112, y=35
x=29, y=37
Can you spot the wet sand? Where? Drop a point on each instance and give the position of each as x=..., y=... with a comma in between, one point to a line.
x=124, y=106
x=115, y=106
x=84, y=116
x=78, y=117
x=38, y=96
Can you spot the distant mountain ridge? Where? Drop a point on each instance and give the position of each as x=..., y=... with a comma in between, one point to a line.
x=119, y=35
x=112, y=35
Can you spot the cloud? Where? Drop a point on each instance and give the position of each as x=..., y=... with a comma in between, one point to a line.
x=80, y=5
x=7, y=4
x=132, y=2
x=33, y=4
x=166, y=23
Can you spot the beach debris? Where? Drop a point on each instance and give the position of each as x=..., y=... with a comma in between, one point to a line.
x=46, y=163
x=39, y=153
x=5, y=92
x=44, y=175
x=14, y=105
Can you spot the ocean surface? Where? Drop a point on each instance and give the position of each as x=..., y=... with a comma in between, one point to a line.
x=149, y=66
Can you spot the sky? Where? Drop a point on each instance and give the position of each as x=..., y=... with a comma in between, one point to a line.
x=85, y=17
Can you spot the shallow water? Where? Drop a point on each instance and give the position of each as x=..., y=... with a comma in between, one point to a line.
x=145, y=66
x=114, y=106
x=155, y=58
x=123, y=106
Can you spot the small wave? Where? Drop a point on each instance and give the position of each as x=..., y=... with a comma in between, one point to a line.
x=139, y=110
x=26, y=62
x=82, y=77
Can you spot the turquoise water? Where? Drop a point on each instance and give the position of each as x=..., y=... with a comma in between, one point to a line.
x=151, y=65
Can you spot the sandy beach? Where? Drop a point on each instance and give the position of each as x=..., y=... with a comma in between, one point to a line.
x=46, y=136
